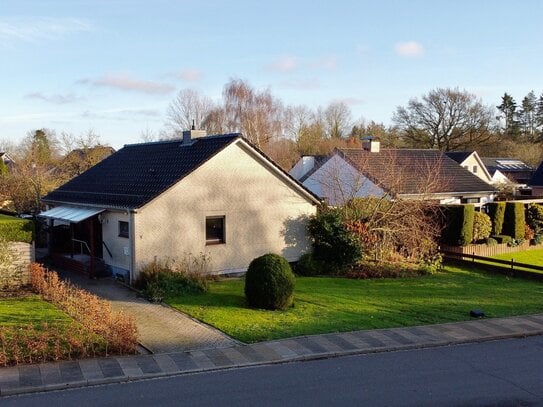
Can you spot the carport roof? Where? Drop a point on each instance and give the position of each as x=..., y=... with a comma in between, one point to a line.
x=73, y=214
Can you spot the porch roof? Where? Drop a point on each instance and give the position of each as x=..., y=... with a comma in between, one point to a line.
x=73, y=214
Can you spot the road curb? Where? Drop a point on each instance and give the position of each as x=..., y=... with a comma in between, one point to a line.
x=11, y=391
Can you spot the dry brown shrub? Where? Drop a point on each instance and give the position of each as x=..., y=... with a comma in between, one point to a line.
x=117, y=328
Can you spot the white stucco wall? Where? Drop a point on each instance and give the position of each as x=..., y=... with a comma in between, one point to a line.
x=472, y=162
x=337, y=181
x=262, y=214
x=119, y=246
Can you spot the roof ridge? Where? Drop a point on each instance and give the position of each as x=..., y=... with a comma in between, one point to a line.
x=180, y=140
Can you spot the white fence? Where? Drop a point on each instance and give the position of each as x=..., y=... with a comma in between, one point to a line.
x=24, y=255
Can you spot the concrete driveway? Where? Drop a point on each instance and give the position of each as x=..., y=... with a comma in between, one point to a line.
x=160, y=328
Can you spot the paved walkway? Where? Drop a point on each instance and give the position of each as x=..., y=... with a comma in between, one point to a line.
x=160, y=328
x=88, y=372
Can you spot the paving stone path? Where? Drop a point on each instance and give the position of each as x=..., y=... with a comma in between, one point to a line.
x=88, y=372
x=160, y=328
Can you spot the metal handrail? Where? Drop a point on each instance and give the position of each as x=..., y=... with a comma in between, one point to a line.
x=107, y=249
x=82, y=242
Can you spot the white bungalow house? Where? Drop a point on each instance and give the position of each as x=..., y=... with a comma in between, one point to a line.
x=217, y=195
x=471, y=161
x=396, y=173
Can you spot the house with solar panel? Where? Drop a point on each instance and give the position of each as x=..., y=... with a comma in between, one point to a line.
x=348, y=173
x=218, y=195
x=508, y=170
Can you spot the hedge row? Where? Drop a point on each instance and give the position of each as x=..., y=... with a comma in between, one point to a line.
x=514, y=220
x=16, y=230
x=496, y=211
x=458, y=224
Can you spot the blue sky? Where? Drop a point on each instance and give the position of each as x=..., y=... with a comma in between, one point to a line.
x=114, y=66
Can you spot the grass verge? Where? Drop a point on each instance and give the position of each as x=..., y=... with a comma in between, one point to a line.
x=337, y=304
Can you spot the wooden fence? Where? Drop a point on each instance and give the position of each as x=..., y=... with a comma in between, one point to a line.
x=489, y=251
x=507, y=267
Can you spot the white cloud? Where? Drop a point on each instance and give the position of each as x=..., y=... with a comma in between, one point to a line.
x=57, y=99
x=409, y=49
x=284, y=64
x=127, y=83
x=328, y=63
x=121, y=114
x=190, y=75
x=33, y=29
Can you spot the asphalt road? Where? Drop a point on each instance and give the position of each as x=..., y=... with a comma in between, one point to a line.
x=500, y=373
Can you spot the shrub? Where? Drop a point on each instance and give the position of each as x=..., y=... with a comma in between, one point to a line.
x=502, y=238
x=490, y=241
x=538, y=239
x=534, y=217
x=496, y=211
x=482, y=226
x=16, y=230
x=367, y=269
x=528, y=233
x=159, y=279
x=333, y=243
x=458, y=228
x=38, y=344
x=513, y=223
x=116, y=328
x=309, y=266
x=269, y=282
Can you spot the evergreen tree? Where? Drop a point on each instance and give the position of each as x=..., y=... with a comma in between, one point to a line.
x=539, y=116
x=508, y=108
x=527, y=115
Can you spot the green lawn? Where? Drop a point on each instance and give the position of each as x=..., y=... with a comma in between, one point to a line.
x=336, y=304
x=30, y=309
x=534, y=257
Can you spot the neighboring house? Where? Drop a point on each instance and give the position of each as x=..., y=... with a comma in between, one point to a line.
x=403, y=173
x=217, y=195
x=508, y=170
x=471, y=161
x=536, y=183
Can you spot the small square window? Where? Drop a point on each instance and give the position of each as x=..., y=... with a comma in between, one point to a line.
x=123, y=229
x=475, y=169
x=215, y=230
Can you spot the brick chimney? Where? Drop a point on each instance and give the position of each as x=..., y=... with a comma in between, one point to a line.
x=189, y=135
x=371, y=144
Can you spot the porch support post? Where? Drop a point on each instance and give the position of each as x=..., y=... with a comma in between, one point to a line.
x=72, y=241
x=91, y=244
x=51, y=225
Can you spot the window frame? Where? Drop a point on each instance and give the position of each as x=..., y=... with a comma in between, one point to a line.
x=121, y=229
x=220, y=240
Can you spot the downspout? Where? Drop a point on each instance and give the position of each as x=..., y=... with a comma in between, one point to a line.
x=132, y=234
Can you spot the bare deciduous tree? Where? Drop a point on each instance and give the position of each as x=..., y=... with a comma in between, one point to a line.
x=338, y=119
x=446, y=119
x=256, y=114
x=188, y=107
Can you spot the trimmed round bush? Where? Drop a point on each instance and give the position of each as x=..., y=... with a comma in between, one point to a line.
x=269, y=282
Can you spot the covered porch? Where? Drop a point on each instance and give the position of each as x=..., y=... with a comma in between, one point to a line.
x=75, y=239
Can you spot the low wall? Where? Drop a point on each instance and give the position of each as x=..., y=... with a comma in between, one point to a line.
x=24, y=253
x=489, y=251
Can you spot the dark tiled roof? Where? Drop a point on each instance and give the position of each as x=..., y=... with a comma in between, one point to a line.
x=505, y=164
x=319, y=160
x=458, y=156
x=408, y=171
x=537, y=178
x=137, y=173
